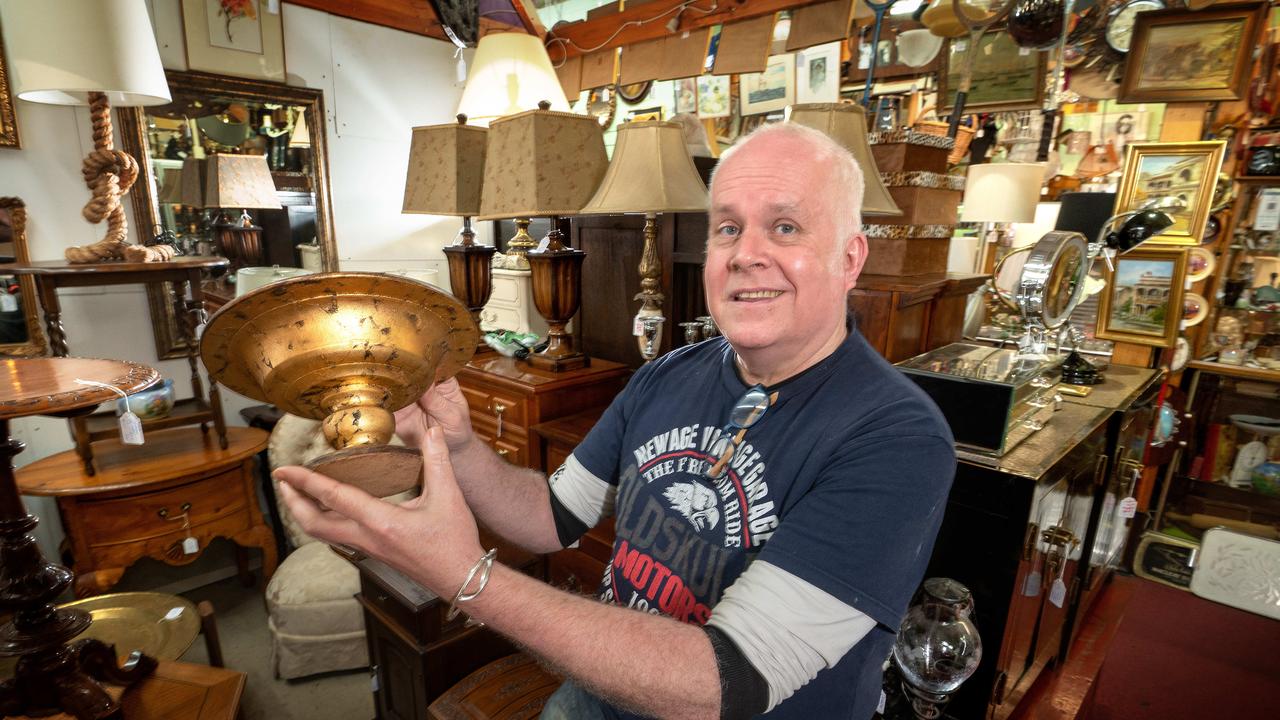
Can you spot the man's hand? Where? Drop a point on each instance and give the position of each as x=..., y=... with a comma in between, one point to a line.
x=432, y=538
x=443, y=406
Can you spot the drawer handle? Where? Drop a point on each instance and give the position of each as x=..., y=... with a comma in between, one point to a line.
x=498, y=409
x=503, y=452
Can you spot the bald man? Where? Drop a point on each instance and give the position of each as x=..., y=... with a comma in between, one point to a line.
x=776, y=490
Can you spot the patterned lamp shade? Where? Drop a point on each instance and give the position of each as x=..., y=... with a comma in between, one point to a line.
x=446, y=165
x=193, y=179
x=651, y=172
x=171, y=186
x=541, y=163
x=847, y=125
x=239, y=181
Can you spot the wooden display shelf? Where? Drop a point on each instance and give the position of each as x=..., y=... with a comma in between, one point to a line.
x=105, y=425
x=1236, y=371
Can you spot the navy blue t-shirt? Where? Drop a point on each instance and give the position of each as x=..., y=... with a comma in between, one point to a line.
x=842, y=483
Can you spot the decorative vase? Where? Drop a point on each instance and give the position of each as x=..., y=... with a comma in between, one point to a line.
x=938, y=646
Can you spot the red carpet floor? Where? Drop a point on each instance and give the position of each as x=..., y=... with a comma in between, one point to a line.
x=1179, y=657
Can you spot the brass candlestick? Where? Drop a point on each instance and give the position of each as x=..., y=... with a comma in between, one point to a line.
x=348, y=349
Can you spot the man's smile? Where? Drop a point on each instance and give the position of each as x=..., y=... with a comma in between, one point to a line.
x=755, y=295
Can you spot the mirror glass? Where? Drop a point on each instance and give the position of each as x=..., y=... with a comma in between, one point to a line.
x=20, y=332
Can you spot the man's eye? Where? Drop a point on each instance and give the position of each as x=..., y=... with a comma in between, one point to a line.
x=727, y=230
x=785, y=228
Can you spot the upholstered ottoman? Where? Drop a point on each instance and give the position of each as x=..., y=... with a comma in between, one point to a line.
x=315, y=622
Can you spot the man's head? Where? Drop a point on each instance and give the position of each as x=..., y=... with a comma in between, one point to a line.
x=785, y=244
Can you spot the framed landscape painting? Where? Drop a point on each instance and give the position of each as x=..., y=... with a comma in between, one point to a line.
x=1181, y=55
x=1142, y=302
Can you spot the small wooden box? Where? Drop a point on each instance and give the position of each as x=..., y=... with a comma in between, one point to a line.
x=910, y=151
x=907, y=250
x=924, y=206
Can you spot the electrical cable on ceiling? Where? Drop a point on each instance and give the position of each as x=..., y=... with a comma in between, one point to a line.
x=565, y=43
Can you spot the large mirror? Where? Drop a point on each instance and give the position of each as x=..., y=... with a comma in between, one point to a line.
x=20, y=332
x=218, y=114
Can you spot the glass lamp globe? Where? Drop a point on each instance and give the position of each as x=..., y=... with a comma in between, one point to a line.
x=938, y=646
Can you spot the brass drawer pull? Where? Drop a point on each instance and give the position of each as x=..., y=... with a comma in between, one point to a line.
x=498, y=410
x=502, y=452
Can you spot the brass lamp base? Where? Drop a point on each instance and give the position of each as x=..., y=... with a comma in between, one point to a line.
x=557, y=289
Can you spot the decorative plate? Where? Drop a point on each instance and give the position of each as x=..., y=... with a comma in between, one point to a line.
x=1200, y=264
x=1194, y=309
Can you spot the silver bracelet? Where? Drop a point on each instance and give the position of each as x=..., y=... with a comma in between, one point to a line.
x=483, y=566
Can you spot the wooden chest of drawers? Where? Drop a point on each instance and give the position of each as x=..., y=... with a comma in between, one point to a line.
x=508, y=397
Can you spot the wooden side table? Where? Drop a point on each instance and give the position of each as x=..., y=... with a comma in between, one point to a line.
x=182, y=272
x=145, y=501
x=181, y=691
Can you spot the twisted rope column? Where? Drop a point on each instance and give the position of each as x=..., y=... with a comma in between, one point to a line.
x=109, y=173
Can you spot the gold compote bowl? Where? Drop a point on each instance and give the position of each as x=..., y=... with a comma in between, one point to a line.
x=347, y=349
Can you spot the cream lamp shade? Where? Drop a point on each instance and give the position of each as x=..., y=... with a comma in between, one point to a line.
x=847, y=125
x=171, y=186
x=193, y=180
x=510, y=73
x=446, y=166
x=301, y=136
x=918, y=47
x=62, y=50
x=541, y=163
x=651, y=172
x=1001, y=192
x=239, y=181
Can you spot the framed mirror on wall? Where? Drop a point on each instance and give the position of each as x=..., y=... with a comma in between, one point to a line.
x=20, y=333
x=174, y=194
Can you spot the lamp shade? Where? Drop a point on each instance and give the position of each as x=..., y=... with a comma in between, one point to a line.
x=301, y=136
x=847, y=125
x=651, y=172
x=446, y=166
x=510, y=73
x=193, y=180
x=239, y=181
x=171, y=186
x=1001, y=192
x=62, y=50
x=541, y=163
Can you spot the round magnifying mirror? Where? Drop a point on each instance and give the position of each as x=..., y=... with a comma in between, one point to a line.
x=1053, y=277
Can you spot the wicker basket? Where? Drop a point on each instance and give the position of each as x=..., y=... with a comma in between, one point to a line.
x=964, y=135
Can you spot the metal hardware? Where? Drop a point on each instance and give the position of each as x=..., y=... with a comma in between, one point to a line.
x=1099, y=469
x=498, y=409
x=163, y=512
x=1042, y=382
x=1029, y=542
x=997, y=692
x=186, y=507
x=1059, y=536
x=502, y=452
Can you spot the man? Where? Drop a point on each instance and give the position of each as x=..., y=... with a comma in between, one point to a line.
x=776, y=492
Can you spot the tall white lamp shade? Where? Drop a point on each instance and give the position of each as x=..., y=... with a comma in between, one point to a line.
x=510, y=73
x=62, y=50
x=1002, y=192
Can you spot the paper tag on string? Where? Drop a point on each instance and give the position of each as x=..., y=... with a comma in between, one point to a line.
x=1128, y=507
x=8, y=303
x=637, y=326
x=1031, y=586
x=190, y=546
x=130, y=429
x=1058, y=593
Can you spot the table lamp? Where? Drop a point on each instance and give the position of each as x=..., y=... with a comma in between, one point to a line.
x=651, y=172
x=847, y=125
x=1000, y=193
x=239, y=181
x=95, y=53
x=543, y=163
x=511, y=73
x=446, y=165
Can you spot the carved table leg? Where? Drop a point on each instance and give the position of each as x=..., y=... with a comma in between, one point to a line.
x=52, y=316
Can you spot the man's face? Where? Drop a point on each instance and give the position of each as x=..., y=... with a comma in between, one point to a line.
x=776, y=275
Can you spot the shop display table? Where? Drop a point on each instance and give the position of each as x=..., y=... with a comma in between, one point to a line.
x=147, y=500
x=180, y=691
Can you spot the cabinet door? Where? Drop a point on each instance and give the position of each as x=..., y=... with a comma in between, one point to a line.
x=399, y=682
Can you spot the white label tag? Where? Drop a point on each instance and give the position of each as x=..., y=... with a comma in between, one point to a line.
x=637, y=326
x=1024, y=51
x=130, y=429
x=1031, y=586
x=373, y=679
x=200, y=330
x=960, y=46
x=1128, y=507
x=8, y=303
x=1058, y=593
x=883, y=700
x=190, y=546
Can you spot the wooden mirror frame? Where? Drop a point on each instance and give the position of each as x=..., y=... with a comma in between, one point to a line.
x=35, y=344
x=146, y=208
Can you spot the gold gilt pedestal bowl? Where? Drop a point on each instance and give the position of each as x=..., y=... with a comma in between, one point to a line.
x=347, y=349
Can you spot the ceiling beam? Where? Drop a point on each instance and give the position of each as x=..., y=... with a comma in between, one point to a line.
x=529, y=14
x=415, y=16
x=592, y=33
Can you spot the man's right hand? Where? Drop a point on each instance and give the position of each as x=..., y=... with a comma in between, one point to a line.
x=442, y=405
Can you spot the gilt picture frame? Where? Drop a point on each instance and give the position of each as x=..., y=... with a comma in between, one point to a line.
x=1188, y=171
x=1191, y=56
x=8, y=115
x=1142, y=302
x=234, y=37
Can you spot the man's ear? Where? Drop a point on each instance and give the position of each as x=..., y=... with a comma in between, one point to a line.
x=855, y=256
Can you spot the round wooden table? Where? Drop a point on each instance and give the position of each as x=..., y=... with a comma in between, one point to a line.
x=52, y=676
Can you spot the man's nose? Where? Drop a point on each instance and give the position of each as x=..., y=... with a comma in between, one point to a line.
x=751, y=250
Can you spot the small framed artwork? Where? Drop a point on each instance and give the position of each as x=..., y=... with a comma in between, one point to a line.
x=234, y=37
x=773, y=89
x=643, y=114
x=1004, y=77
x=1186, y=171
x=713, y=96
x=1181, y=55
x=818, y=74
x=686, y=90
x=1142, y=302
x=8, y=118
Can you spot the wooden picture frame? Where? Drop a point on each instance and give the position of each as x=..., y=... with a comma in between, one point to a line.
x=1188, y=170
x=13, y=230
x=244, y=46
x=1004, y=78
x=771, y=90
x=1142, y=302
x=1182, y=55
x=8, y=115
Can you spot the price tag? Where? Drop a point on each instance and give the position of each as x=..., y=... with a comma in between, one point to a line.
x=1031, y=586
x=190, y=546
x=960, y=46
x=1024, y=51
x=130, y=429
x=637, y=326
x=8, y=303
x=1058, y=593
x=1128, y=507
x=883, y=699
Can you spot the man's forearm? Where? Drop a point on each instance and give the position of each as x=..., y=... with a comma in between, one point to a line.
x=510, y=500
x=650, y=663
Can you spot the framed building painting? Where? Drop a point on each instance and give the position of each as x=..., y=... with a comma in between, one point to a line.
x=1185, y=171
x=1142, y=302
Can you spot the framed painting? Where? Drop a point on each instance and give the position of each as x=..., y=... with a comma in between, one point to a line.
x=1187, y=171
x=713, y=96
x=686, y=100
x=234, y=37
x=1181, y=55
x=1142, y=302
x=643, y=114
x=818, y=74
x=1004, y=77
x=8, y=116
x=771, y=90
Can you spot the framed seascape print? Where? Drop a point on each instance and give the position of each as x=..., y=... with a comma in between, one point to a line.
x=8, y=117
x=1003, y=77
x=1180, y=55
x=818, y=74
x=773, y=89
x=686, y=95
x=713, y=96
x=1187, y=171
x=234, y=37
x=1142, y=302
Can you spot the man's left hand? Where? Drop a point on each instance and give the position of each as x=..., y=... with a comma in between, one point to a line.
x=432, y=538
